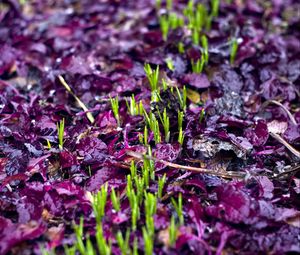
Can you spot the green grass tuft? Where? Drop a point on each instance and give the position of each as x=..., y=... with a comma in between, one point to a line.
x=60, y=132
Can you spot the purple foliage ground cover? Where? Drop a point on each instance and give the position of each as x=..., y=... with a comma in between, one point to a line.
x=100, y=48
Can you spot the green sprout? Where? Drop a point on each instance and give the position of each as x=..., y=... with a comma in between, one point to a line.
x=182, y=98
x=148, y=171
x=161, y=184
x=169, y=4
x=233, y=51
x=46, y=252
x=178, y=208
x=70, y=250
x=135, y=246
x=150, y=209
x=115, y=108
x=89, y=247
x=104, y=247
x=180, y=119
x=147, y=118
x=199, y=65
x=133, y=106
x=99, y=203
x=154, y=126
x=133, y=201
x=165, y=120
x=172, y=231
x=148, y=242
x=140, y=186
x=135, y=215
x=146, y=136
x=156, y=132
x=123, y=243
x=196, y=19
x=181, y=48
x=153, y=76
x=141, y=108
x=202, y=114
x=215, y=8
x=151, y=164
x=146, y=174
x=180, y=136
x=209, y=19
x=60, y=132
x=49, y=144
x=78, y=229
x=204, y=43
x=164, y=26
x=115, y=199
x=215, y=4
x=188, y=12
x=175, y=21
x=195, y=36
x=133, y=169
x=200, y=17
x=158, y=4
x=164, y=84
x=141, y=139
x=170, y=64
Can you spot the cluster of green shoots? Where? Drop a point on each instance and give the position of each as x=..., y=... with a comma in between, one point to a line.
x=142, y=202
x=153, y=78
x=143, y=207
x=170, y=21
x=154, y=123
x=134, y=108
x=83, y=244
x=115, y=108
x=197, y=19
x=138, y=196
x=198, y=66
x=166, y=124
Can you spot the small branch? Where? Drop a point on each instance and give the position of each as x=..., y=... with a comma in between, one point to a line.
x=290, y=171
x=283, y=107
x=285, y=143
x=81, y=104
x=238, y=175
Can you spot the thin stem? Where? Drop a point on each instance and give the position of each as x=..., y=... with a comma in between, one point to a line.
x=238, y=175
x=81, y=104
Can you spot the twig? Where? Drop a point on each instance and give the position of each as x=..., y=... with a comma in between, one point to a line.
x=81, y=104
x=294, y=169
x=238, y=175
x=286, y=144
x=283, y=107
